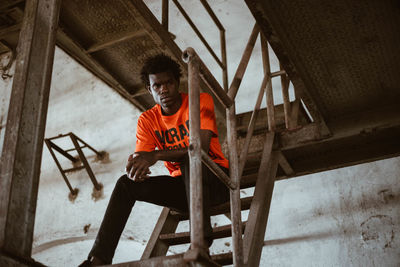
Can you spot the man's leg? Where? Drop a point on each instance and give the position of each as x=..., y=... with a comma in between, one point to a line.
x=160, y=190
x=214, y=193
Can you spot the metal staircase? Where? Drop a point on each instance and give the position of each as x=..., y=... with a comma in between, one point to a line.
x=247, y=236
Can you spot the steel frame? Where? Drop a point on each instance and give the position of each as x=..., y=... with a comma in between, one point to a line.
x=81, y=157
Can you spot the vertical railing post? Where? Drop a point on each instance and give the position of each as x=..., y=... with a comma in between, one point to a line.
x=286, y=101
x=26, y=121
x=224, y=60
x=269, y=92
x=165, y=14
x=196, y=185
x=234, y=194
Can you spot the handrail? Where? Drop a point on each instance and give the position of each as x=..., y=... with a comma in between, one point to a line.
x=196, y=185
x=196, y=155
x=233, y=89
x=250, y=128
x=217, y=170
x=196, y=30
x=221, y=62
x=208, y=78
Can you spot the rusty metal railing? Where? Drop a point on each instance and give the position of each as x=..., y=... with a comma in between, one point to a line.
x=197, y=156
x=197, y=70
x=76, y=141
x=222, y=62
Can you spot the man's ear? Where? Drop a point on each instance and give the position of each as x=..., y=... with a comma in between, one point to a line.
x=148, y=88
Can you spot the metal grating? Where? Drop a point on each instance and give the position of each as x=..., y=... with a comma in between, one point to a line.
x=347, y=53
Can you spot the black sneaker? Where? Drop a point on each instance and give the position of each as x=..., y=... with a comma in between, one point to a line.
x=86, y=263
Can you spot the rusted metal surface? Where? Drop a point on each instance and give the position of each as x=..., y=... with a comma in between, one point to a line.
x=167, y=261
x=263, y=14
x=259, y=210
x=85, y=162
x=252, y=123
x=57, y=148
x=167, y=223
x=356, y=139
x=196, y=185
x=236, y=218
x=347, y=54
x=262, y=121
x=260, y=205
x=286, y=101
x=198, y=33
x=219, y=209
x=285, y=164
x=184, y=237
x=23, y=141
x=7, y=259
x=217, y=170
x=116, y=40
x=212, y=83
x=237, y=79
x=165, y=14
x=268, y=93
x=222, y=42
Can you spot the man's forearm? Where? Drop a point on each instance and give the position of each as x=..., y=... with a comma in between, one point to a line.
x=175, y=155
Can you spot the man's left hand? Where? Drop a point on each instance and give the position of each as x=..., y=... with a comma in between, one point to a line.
x=138, y=165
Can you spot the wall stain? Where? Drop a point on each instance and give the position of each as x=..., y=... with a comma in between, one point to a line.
x=386, y=195
x=86, y=228
x=377, y=231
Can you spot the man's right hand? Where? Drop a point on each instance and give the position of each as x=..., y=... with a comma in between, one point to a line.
x=137, y=167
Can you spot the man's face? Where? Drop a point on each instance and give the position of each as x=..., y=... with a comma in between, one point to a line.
x=165, y=91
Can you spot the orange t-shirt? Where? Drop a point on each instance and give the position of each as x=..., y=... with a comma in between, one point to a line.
x=154, y=130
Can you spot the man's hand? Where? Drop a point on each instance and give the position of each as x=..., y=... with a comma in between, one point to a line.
x=138, y=165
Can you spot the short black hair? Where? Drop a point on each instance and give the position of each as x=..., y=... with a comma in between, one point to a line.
x=159, y=63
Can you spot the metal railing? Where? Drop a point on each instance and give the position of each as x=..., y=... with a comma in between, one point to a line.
x=197, y=70
x=197, y=156
x=222, y=62
x=76, y=141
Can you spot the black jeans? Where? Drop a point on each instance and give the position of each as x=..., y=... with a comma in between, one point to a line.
x=172, y=192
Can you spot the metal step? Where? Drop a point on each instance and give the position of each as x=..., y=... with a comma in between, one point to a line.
x=216, y=210
x=223, y=259
x=184, y=237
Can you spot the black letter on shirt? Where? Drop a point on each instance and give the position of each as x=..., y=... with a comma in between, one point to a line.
x=183, y=131
x=160, y=138
x=174, y=134
x=166, y=138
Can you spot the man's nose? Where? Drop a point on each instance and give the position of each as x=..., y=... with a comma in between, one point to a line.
x=164, y=88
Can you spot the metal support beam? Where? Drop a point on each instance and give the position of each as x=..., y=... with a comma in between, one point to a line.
x=166, y=223
x=23, y=141
x=259, y=210
x=125, y=37
x=237, y=79
x=196, y=184
x=165, y=14
x=236, y=216
x=269, y=92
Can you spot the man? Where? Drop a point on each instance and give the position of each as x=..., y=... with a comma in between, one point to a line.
x=162, y=134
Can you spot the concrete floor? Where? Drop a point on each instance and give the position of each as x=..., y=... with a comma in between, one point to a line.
x=345, y=217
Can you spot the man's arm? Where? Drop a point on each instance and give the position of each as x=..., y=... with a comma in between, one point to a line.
x=139, y=163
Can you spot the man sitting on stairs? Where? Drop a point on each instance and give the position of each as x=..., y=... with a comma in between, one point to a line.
x=162, y=134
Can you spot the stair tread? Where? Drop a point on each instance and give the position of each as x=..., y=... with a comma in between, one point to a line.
x=223, y=258
x=217, y=210
x=184, y=237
